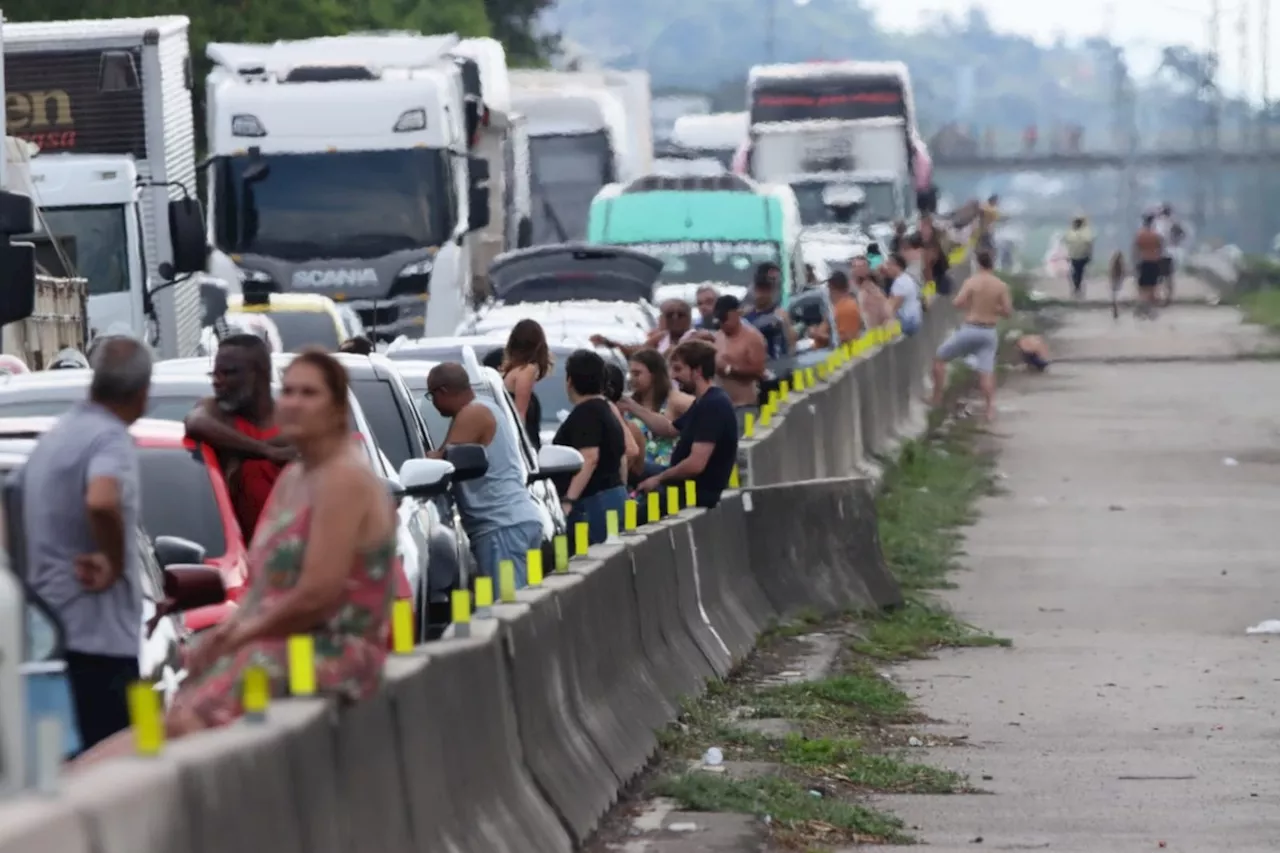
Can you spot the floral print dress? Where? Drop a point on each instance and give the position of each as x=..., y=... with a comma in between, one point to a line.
x=657, y=450
x=350, y=649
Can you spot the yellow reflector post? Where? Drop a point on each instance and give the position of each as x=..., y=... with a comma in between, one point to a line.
x=562, y=552
x=461, y=602
x=690, y=493
x=630, y=515
x=784, y=389
x=507, y=581
x=611, y=524
x=257, y=691
x=749, y=425
x=734, y=482
x=766, y=415
x=484, y=592
x=774, y=397
x=402, y=626
x=808, y=378
x=797, y=380
x=673, y=500
x=302, y=665
x=533, y=566
x=653, y=506
x=146, y=718
x=581, y=539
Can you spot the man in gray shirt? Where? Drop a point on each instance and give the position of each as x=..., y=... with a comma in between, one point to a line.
x=81, y=500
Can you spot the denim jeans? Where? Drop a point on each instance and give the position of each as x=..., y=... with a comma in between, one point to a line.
x=508, y=543
x=595, y=512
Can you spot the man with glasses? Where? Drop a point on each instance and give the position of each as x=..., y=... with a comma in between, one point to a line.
x=677, y=327
x=706, y=300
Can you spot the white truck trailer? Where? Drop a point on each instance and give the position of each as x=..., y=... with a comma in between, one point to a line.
x=340, y=167
x=119, y=90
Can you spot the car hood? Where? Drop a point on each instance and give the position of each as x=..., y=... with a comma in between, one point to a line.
x=576, y=272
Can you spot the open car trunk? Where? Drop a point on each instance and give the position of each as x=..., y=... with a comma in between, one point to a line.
x=574, y=272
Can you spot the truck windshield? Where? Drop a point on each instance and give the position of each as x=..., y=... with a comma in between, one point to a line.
x=881, y=204
x=96, y=243
x=567, y=172
x=692, y=261
x=345, y=204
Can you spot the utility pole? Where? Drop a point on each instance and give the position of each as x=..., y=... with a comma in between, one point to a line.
x=1264, y=125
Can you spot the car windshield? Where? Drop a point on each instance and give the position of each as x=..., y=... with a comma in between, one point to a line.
x=300, y=329
x=165, y=408
x=95, y=243
x=390, y=426
x=729, y=261
x=368, y=204
x=178, y=498
x=880, y=205
x=566, y=174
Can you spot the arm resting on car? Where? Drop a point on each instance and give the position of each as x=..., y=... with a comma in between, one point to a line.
x=204, y=425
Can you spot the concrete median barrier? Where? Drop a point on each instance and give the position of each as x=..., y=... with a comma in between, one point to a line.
x=693, y=612
x=569, y=769
x=375, y=808
x=837, y=565
x=679, y=665
x=733, y=601
x=134, y=804
x=36, y=824
x=306, y=727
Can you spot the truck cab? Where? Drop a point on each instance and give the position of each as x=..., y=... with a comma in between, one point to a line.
x=339, y=166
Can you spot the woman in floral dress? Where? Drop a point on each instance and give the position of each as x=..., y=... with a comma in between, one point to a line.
x=654, y=406
x=322, y=562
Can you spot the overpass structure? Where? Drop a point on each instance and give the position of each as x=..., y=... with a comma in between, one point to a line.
x=1093, y=160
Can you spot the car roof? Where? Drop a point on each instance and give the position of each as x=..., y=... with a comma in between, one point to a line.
x=72, y=387
x=145, y=430
x=285, y=302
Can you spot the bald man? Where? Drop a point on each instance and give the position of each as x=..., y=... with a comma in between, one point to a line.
x=497, y=510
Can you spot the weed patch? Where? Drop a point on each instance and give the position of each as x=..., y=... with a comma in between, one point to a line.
x=919, y=628
x=1262, y=307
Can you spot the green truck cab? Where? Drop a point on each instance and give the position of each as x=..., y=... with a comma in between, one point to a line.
x=706, y=230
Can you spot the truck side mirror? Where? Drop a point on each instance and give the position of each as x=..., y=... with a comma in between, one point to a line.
x=186, y=236
x=478, y=198
x=17, y=260
x=213, y=299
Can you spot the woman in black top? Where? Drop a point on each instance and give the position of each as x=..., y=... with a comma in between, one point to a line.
x=525, y=361
x=593, y=429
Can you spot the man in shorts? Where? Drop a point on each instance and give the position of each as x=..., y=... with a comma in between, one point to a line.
x=1148, y=251
x=984, y=298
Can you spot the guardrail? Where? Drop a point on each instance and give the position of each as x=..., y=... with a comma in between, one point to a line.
x=517, y=737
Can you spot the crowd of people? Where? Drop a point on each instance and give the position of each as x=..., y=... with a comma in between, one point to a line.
x=320, y=525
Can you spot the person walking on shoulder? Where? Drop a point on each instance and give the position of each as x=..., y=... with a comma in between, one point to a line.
x=1079, y=245
x=985, y=300
x=1148, y=251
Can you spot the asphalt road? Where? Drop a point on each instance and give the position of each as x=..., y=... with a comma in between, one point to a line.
x=1138, y=539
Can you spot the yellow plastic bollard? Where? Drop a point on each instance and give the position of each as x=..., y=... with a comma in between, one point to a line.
x=690, y=493
x=402, y=626
x=749, y=425
x=766, y=415
x=581, y=539
x=654, y=507
x=562, y=552
x=774, y=397
x=484, y=592
x=507, y=581
x=257, y=691
x=533, y=566
x=630, y=515
x=611, y=524
x=734, y=481
x=302, y=665
x=797, y=381
x=146, y=718
x=461, y=606
x=809, y=381
x=784, y=389
x=673, y=500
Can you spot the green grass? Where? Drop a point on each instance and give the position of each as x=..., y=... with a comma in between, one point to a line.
x=851, y=698
x=789, y=806
x=847, y=759
x=919, y=628
x=1262, y=307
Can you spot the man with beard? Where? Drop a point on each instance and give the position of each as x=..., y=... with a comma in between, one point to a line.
x=708, y=445
x=238, y=422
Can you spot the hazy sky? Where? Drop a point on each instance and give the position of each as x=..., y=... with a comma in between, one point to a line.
x=1142, y=25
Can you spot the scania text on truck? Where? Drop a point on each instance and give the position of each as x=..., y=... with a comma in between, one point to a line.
x=340, y=166
x=814, y=125
x=120, y=90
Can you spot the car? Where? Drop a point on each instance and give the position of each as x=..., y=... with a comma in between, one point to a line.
x=538, y=467
x=302, y=319
x=184, y=495
x=688, y=293
x=552, y=392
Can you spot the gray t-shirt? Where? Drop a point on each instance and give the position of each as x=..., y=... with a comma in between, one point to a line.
x=86, y=443
x=500, y=499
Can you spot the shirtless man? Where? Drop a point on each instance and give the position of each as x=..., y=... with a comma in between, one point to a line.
x=1148, y=249
x=984, y=298
x=741, y=353
x=876, y=310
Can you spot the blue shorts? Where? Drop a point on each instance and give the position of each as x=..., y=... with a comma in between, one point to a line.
x=508, y=543
x=981, y=342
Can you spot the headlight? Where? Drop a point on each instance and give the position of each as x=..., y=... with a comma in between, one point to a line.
x=253, y=276
x=422, y=267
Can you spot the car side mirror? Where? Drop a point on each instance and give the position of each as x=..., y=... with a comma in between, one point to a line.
x=421, y=478
x=174, y=551
x=470, y=461
x=556, y=460
x=187, y=236
x=193, y=586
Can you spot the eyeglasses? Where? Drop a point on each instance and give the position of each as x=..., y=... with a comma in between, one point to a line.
x=675, y=315
x=432, y=391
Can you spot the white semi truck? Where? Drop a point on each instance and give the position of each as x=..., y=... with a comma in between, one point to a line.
x=341, y=166
x=587, y=129
x=817, y=125
x=108, y=104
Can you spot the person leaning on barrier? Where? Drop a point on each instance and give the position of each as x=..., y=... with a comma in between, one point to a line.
x=654, y=405
x=594, y=429
x=324, y=565
x=497, y=510
x=81, y=500
x=708, y=445
x=871, y=298
x=845, y=312
x=904, y=294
